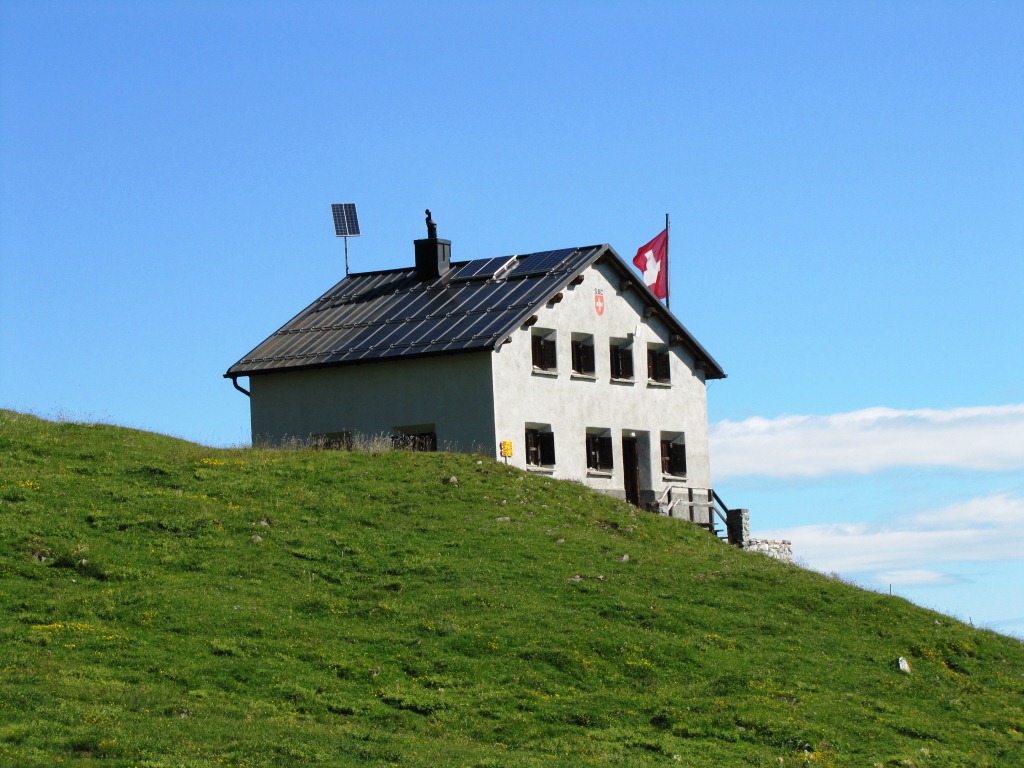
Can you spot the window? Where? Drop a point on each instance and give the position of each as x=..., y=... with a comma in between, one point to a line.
x=621, y=360
x=583, y=354
x=658, y=364
x=599, y=451
x=540, y=447
x=544, y=358
x=333, y=441
x=415, y=439
x=673, y=455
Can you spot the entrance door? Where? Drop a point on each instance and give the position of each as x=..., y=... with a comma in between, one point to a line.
x=631, y=470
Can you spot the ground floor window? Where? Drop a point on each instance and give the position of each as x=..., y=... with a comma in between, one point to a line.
x=673, y=455
x=415, y=441
x=332, y=441
x=599, y=451
x=540, y=447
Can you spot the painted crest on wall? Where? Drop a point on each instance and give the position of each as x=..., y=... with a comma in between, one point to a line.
x=599, y=302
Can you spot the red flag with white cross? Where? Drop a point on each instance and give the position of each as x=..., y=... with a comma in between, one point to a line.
x=652, y=261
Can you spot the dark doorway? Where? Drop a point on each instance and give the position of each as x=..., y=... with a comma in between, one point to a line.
x=631, y=470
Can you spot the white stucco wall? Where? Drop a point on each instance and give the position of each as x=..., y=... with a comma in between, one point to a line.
x=453, y=392
x=571, y=404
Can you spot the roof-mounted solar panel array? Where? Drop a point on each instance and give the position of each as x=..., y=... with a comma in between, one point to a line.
x=346, y=224
x=480, y=269
x=393, y=314
x=539, y=263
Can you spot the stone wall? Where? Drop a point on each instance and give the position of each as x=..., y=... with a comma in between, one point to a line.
x=779, y=549
x=737, y=524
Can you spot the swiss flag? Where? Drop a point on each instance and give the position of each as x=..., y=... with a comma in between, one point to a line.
x=652, y=261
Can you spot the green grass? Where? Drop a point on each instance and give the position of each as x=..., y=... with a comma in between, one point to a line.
x=167, y=604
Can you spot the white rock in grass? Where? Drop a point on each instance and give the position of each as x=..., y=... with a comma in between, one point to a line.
x=904, y=665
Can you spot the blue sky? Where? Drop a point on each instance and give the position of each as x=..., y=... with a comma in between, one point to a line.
x=845, y=180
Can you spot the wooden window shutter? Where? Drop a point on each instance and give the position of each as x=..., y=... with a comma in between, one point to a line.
x=622, y=362
x=677, y=458
x=664, y=373
x=604, y=452
x=532, y=456
x=586, y=357
x=673, y=457
x=658, y=365
x=546, y=442
x=599, y=452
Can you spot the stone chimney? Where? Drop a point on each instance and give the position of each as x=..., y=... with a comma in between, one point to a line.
x=433, y=255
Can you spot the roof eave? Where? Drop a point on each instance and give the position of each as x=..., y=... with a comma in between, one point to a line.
x=233, y=374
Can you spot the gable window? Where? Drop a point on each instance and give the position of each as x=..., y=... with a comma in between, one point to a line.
x=583, y=354
x=544, y=358
x=540, y=447
x=599, y=450
x=621, y=359
x=673, y=454
x=658, y=368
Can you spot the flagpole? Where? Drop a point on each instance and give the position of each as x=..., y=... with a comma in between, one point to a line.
x=668, y=293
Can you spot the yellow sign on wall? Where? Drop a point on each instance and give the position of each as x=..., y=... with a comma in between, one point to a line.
x=506, y=448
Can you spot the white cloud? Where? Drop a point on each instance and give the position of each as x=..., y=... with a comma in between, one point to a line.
x=995, y=511
x=985, y=438
x=982, y=529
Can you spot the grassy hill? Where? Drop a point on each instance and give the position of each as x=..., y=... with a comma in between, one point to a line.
x=167, y=604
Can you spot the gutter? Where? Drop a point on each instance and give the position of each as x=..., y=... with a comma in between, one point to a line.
x=234, y=383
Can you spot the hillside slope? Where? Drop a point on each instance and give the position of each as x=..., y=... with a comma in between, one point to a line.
x=167, y=604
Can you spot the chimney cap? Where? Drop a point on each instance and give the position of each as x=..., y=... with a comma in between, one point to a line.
x=431, y=227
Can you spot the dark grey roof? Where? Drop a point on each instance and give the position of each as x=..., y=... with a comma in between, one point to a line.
x=476, y=305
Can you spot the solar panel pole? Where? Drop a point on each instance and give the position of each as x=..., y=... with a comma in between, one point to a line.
x=346, y=224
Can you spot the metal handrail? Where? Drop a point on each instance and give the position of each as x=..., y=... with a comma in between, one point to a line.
x=723, y=512
x=719, y=499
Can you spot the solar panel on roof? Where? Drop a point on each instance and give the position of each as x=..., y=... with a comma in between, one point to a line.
x=391, y=313
x=480, y=268
x=546, y=261
x=345, y=222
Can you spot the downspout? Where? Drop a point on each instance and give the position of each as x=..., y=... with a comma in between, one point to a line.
x=234, y=383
